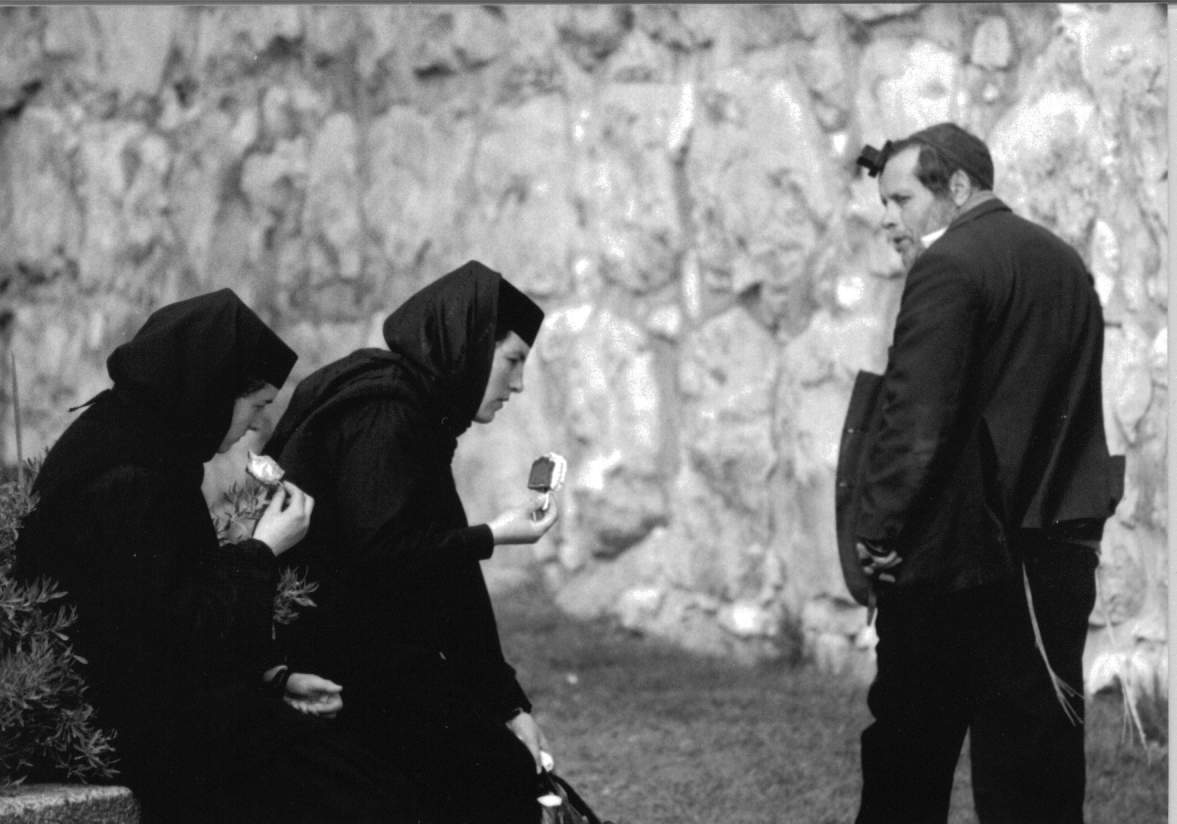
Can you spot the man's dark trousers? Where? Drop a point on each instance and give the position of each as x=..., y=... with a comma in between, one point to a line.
x=951, y=663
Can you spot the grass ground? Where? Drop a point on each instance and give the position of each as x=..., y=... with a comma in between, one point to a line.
x=652, y=735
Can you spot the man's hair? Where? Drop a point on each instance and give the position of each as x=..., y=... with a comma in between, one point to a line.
x=932, y=168
x=943, y=149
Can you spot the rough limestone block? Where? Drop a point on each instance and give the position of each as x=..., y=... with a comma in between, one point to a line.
x=20, y=55
x=521, y=215
x=873, y=12
x=1046, y=157
x=746, y=619
x=992, y=47
x=46, y=221
x=903, y=86
x=728, y=383
x=413, y=192
x=227, y=34
x=105, y=180
x=68, y=804
x=592, y=33
x=1123, y=576
x=833, y=615
x=825, y=71
x=332, y=214
x=602, y=376
x=136, y=42
x=1128, y=389
x=627, y=180
x=451, y=41
x=72, y=33
x=761, y=180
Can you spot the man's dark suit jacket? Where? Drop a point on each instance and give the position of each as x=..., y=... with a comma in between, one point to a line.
x=992, y=415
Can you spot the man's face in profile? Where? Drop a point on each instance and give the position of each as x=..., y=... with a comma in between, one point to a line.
x=911, y=210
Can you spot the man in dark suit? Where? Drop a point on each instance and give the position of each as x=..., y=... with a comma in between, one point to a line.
x=983, y=498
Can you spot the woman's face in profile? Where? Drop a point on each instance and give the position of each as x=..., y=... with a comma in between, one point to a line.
x=246, y=410
x=506, y=376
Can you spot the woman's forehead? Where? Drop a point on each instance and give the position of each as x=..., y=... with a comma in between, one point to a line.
x=512, y=344
x=265, y=393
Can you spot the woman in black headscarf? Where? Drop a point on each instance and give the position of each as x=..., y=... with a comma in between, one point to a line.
x=404, y=617
x=176, y=630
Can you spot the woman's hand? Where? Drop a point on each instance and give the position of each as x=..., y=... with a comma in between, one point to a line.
x=286, y=519
x=527, y=731
x=313, y=695
x=515, y=525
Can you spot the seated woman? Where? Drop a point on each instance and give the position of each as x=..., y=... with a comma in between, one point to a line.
x=175, y=630
x=404, y=617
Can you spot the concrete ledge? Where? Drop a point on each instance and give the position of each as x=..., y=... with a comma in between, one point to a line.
x=68, y=804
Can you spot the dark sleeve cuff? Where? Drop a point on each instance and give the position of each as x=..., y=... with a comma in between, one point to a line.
x=478, y=542
x=509, y=698
x=516, y=702
x=248, y=559
x=254, y=555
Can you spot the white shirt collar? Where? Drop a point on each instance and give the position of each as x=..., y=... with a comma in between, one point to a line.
x=931, y=237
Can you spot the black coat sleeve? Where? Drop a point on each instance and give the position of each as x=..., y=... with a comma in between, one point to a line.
x=926, y=389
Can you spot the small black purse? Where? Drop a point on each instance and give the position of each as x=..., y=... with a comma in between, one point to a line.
x=563, y=805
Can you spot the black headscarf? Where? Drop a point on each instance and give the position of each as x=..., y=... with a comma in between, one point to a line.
x=517, y=313
x=175, y=384
x=440, y=347
x=447, y=331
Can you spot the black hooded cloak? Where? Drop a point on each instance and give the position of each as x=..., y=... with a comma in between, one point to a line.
x=175, y=630
x=404, y=618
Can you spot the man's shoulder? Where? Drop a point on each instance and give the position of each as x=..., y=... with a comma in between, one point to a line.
x=995, y=217
x=971, y=242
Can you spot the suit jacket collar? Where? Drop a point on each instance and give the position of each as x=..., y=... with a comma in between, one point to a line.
x=990, y=206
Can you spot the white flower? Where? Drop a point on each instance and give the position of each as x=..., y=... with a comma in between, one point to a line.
x=265, y=469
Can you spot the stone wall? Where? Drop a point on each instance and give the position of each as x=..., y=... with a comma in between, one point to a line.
x=674, y=183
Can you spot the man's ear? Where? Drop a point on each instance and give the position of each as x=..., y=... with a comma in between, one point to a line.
x=960, y=187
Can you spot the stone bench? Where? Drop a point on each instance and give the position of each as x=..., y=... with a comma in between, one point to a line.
x=68, y=804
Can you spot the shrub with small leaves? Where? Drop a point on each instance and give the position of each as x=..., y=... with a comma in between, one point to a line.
x=16, y=501
x=47, y=729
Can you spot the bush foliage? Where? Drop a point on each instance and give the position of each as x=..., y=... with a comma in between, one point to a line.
x=47, y=729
